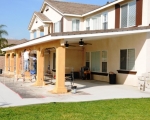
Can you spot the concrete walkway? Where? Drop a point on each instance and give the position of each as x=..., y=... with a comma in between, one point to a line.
x=18, y=93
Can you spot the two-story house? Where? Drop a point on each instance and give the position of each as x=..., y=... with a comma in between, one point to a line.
x=114, y=37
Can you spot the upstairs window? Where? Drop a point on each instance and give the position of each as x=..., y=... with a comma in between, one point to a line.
x=128, y=14
x=75, y=25
x=96, y=22
x=57, y=27
x=105, y=21
x=127, y=59
x=87, y=24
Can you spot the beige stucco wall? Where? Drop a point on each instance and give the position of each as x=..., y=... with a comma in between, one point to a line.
x=36, y=25
x=111, y=17
x=146, y=13
x=113, y=46
x=52, y=14
x=74, y=58
x=68, y=23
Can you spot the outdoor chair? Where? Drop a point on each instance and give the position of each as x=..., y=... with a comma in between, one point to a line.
x=144, y=81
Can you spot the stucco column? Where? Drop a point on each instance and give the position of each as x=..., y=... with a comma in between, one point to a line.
x=60, y=71
x=40, y=68
x=6, y=62
x=31, y=34
x=11, y=62
x=46, y=29
x=18, y=58
x=38, y=33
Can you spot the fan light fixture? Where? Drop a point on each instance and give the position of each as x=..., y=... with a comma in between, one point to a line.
x=81, y=43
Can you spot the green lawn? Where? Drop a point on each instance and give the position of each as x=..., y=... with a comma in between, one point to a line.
x=122, y=109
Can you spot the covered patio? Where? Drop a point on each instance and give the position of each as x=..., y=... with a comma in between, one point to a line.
x=101, y=40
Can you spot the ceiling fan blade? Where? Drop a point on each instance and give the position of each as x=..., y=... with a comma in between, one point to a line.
x=87, y=44
x=72, y=45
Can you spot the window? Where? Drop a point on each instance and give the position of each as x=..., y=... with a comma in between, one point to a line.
x=95, y=61
x=104, y=61
x=127, y=59
x=57, y=26
x=105, y=21
x=88, y=24
x=75, y=25
x=96, y=22
x=128, y=14
x=87, y=59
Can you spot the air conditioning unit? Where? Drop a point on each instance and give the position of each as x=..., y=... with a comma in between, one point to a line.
x=87, y=28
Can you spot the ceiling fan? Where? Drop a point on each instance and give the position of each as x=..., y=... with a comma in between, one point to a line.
x=68, y=45
x=81, y=43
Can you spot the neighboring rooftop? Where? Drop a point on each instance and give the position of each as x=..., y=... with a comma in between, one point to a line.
x=72, y=8
x=16, y=42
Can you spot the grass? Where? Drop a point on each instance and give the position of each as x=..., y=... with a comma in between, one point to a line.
x=117, y=109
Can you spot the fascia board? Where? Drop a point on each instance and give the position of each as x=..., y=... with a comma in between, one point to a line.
x=53, y=38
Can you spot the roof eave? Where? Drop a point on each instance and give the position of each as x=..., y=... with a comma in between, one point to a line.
x=53, y=38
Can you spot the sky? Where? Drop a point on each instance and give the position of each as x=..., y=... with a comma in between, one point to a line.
x=16, y=15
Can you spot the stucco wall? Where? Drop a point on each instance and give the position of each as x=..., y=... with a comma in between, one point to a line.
x=35, y=25
x=146, y=13
x=53, y=15
x=113, y=46
x=68, y=23
x=74, y=58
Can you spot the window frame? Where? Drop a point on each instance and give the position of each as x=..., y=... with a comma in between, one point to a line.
x=103, y=20
x=104, y=61
x=76, y=24
x=59, y=24
x=96, y=17
x=127, y=60
x=127, y=14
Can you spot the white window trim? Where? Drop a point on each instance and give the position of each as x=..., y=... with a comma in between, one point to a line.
x=100, y=60
x=127, y=14
x=104, y=61
x=79, y=23
x=127, y=60
x=89, y=23
x=96, y=16
x=102, y=19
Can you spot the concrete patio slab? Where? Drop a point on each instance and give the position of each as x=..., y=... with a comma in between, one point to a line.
x=18, y=93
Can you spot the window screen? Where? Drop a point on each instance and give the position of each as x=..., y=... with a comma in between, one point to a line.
x=132, y=13
x=124, y=13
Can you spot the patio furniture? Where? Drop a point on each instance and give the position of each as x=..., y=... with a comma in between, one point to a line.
x=144, y=81
x=69, y=76
x=85, y=73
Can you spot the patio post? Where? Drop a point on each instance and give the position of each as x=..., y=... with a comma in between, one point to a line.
x=18, y=57
x=11, y=62
x=6, y=62
x=60, y=71
x=40, y=68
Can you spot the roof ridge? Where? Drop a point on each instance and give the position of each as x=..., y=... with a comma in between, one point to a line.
x=73, y=2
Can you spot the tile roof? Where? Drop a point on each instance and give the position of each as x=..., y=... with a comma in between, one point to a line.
x=16, y=42
x=72, y=8
x=42, y=16
x=100, y=31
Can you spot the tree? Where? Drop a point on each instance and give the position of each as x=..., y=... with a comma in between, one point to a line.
x=3, y=41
